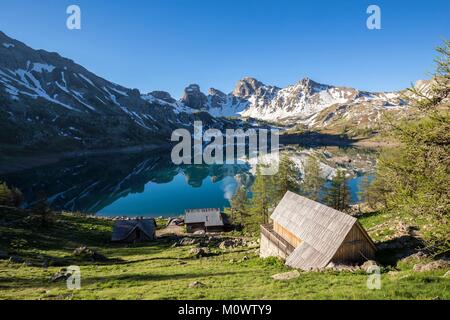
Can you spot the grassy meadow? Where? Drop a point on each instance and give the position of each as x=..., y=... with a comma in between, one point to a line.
x=160, y=271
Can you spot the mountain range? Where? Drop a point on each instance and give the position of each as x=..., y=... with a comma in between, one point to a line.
x=48, y=102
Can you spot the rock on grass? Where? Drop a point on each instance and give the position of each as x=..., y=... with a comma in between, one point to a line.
x=435, y=265
x=286, y=275
x=197, y=284
x=88, y=254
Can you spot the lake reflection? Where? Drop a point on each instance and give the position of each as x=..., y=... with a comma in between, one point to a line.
x=150, y=184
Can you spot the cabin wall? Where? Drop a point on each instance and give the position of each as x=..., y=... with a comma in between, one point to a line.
x=215, y=229
x=355, y=248
x=287, y=235
x=137, y=237
x=193, y=227
x=270, y=249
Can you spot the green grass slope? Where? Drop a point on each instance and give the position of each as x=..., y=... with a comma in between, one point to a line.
x=160, y=271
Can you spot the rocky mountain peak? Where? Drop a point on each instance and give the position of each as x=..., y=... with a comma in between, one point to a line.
x=216, y=98
x=247, y=87
x=216, y=92
x=163, y=95
x=307, y=82
x=194, y=97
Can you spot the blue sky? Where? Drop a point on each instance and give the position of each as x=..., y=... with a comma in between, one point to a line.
x=168, y=44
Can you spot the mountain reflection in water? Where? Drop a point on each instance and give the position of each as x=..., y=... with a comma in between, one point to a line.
x=148, y=184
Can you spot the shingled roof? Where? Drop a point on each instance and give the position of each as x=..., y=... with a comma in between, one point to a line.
x=321, y=229
x=212, y=217
x=123, y=228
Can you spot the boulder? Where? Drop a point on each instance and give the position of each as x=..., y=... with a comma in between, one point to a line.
x=198, y=252
x=188, y=241
x=59, y=276
x=415, y=256
x=88, y=254
x=232, y=243
x=286, y=275
x=197, y=284
x=338, y=267
x=15, y=259
x=434, y=265
x=366, y=266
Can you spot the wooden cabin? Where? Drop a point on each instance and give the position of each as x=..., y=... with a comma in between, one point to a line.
x=207, y=220
x=310, y=235
x=134, y=230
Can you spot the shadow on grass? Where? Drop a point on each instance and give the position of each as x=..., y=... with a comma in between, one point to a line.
x=367, y=215
x=158, y=277
x=54, y=237
x=15, y=283
x=125, y=250
x=390, y=252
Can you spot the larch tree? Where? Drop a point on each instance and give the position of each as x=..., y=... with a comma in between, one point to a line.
x=415, y=175
x=312, y=180
x=239, y=205
x=287, y=178
x=338, y=195
x=264, y=194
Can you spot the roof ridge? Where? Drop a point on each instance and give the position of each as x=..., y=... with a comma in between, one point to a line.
x=318, y=204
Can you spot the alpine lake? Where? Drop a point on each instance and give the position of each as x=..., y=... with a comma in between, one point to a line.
x=148, y=184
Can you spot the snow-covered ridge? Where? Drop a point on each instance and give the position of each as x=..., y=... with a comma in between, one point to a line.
x=73, y=91
x=36, y=79
x=303, y=100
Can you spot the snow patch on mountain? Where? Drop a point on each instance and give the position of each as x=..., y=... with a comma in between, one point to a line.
x=41, y=67
x=87, y=80
x=28, y=81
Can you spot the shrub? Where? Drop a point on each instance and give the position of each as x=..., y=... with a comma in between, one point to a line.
x=11, y=197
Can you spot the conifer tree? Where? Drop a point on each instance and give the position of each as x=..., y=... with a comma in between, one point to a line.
x=312, y=181
x=287, y=178
x=338, y=195
x=415, y=175
x=264, y=194
x=10, y=196
x=239, y=205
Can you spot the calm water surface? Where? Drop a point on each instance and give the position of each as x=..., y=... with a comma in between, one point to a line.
x=144, y=184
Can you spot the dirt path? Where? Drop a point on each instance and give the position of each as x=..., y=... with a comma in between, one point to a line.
x=177, y=230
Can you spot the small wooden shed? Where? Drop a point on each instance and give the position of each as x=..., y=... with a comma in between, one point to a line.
x=208, y=220
x=134, y=230
x=310, y=235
